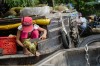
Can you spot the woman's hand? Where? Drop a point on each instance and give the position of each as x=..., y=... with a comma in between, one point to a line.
x=43, y=37
x=44, y=33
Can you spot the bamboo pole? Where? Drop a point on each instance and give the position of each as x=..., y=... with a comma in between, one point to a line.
x=53, y=3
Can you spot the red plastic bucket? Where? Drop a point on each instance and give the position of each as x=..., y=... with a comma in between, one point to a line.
x=8, y=44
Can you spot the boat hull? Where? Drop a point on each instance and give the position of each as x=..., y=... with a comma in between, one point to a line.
x=73, y=57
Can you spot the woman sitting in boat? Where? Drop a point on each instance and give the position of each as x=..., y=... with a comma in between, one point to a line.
x=29, y=30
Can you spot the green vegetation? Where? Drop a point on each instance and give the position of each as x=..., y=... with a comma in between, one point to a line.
x=87, y=7
x=21, y=3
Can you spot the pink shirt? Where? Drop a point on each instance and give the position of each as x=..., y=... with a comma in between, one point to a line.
x=33, y=34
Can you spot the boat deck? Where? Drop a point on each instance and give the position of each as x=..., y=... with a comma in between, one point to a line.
x=15, y=56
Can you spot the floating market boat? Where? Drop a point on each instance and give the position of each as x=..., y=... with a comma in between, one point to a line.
x=46, y=47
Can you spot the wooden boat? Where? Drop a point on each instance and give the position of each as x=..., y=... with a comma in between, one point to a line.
x=46, y=47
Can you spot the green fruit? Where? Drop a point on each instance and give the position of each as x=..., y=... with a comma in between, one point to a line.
x=32, y=48
x=27, y=43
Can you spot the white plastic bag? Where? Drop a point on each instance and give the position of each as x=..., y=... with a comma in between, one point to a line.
x=38, y=11
x=45, y=11
x=41, y=11
x=27, y=11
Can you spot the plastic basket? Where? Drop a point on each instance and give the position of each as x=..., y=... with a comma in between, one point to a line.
x=8, y=44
